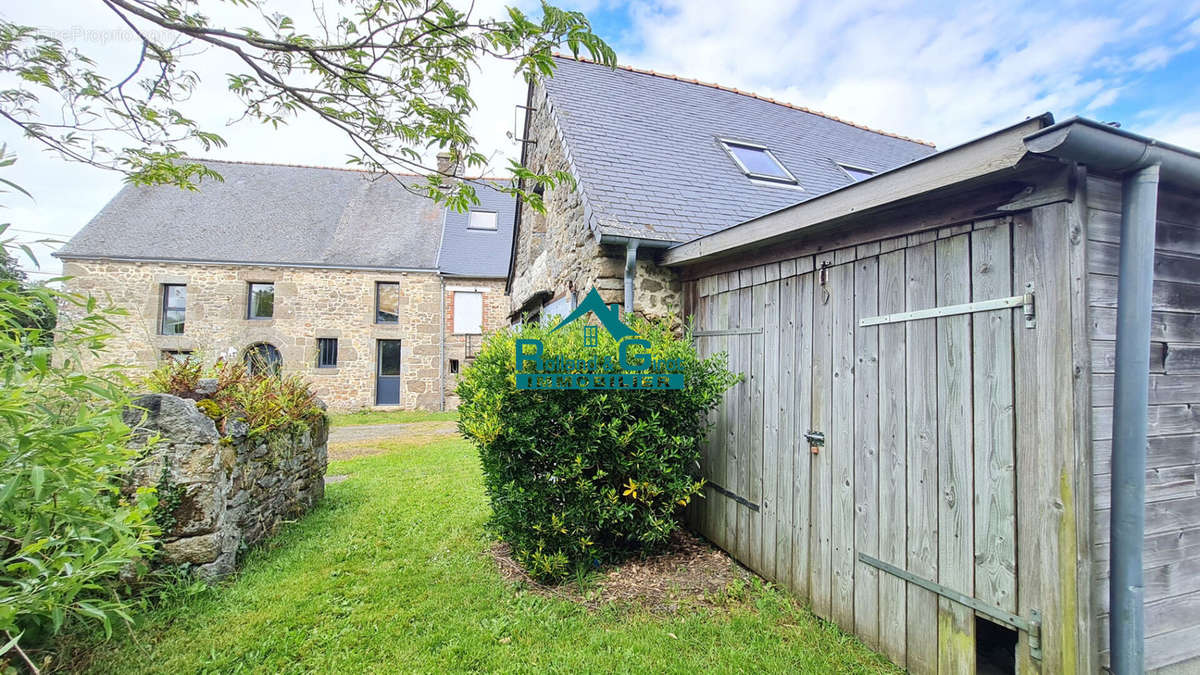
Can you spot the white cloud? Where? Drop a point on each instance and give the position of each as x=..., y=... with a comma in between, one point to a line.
x=1172, y=127
x=942, y=71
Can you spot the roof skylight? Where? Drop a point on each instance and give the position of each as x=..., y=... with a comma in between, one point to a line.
x=856, y=174
x=482, y=220
x=757, y=161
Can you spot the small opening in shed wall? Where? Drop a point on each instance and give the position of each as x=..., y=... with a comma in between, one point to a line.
x=995, y=648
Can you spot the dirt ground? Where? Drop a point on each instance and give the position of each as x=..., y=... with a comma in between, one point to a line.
x=361, y=441
x=690, y=572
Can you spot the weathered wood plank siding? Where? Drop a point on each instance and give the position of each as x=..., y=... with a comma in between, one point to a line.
x=1172, y=560
x=949, y=442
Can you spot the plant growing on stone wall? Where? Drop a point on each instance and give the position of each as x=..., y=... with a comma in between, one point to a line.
x=577, y=478
x=170, y=496
x=66, y=531
x=269, y=404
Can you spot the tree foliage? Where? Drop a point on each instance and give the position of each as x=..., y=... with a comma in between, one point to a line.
x=67, y=530
x=393, y=76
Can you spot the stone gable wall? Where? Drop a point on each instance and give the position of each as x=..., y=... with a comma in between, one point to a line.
x=233, y=490
x=557, y=250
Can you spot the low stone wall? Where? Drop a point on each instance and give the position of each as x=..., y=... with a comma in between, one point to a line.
x=224, y=491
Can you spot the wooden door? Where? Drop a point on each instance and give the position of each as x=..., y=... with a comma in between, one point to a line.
x=917, y=466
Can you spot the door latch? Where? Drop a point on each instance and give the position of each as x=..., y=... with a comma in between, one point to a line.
x=816, y=440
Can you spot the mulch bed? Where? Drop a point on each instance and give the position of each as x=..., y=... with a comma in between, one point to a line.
x=690, y=572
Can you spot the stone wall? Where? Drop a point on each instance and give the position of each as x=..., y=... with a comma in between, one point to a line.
x=309, y=304
x=557, y=250
x=233, y=491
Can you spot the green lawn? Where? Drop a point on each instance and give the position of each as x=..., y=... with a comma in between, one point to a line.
x=389, y=574
x=391, y=417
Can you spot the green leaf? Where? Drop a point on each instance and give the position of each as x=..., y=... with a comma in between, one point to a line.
x=37, y=477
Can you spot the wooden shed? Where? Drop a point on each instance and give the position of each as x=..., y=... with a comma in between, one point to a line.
x=922, y=448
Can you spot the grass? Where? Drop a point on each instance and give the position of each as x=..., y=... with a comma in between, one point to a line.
x=391, y=417
x=389, y=573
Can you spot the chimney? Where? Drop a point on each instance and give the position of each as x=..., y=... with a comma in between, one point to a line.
x=446, y=166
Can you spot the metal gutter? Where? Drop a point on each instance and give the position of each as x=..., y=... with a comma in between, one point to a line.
x=245, y=263
x=1114, y=150
x=1140, y=162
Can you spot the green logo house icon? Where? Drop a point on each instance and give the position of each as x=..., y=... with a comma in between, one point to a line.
x=633, y=369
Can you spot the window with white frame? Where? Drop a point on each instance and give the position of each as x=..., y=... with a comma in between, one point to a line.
x=468, y=312
x=481, y=220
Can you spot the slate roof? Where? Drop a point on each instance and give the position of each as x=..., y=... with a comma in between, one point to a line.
x=479, y=253
x=645, y=149
x=273, y=214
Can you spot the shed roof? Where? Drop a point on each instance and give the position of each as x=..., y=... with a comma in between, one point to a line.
x=647, y=150
x=271, y=214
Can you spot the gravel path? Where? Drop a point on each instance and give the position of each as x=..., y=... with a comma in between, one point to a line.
x=383, y=432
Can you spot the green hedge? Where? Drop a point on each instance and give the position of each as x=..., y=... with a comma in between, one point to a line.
x=579, y=478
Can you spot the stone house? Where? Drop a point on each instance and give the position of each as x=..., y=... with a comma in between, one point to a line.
x=367, y=288
x=659, y=161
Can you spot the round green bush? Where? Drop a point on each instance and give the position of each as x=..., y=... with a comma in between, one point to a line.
x=579, y=478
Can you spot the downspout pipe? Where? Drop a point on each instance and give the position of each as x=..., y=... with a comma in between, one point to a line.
x=1139, y=206
x=632, y=245
x=631, y=249
x=442, y=344
x=1141, y=163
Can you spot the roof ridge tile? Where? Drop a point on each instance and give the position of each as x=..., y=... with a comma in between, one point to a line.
x=749, y=94
x=247, y=162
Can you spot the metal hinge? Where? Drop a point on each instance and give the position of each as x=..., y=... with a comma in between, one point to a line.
x=731, y=331
x=1024, y=301
x=732, y=495
x=1031, y=626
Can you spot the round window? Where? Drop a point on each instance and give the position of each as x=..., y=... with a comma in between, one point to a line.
x=263, y=359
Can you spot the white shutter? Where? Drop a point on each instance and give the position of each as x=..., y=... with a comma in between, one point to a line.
x=559, y=308
x=468, y=312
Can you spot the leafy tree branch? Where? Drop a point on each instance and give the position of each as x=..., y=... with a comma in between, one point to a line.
x=393, y=76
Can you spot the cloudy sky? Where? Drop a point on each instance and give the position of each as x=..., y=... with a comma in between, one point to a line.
x=940, y=71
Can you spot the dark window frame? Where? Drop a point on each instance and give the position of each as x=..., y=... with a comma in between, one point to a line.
x=378, y=288
x=264, y=351
x=175, y=354
x=250, y=300
x=166, y=307
x=380, y=345
x=454, y=366
x=327, y=352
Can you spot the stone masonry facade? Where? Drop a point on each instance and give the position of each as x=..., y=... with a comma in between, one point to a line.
x=310, y=303
x=558, y=252
x=461, y=348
